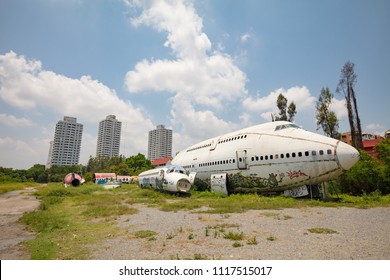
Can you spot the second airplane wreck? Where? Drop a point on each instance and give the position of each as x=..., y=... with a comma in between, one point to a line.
x=267, y=158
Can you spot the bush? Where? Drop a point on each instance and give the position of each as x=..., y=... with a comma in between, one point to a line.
x=364, y=177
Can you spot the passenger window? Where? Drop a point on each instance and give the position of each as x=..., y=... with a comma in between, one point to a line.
x=307, y=153
x=287, y=155
x=257, y=158
x=281, y=155
x=266, y=157
x=313, y=153
x=271, y=157
x=321, y=152
x=329, y=152
x=261, y=158
x=300, y=154
x=293, y=154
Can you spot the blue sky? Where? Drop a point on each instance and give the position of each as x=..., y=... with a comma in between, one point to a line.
x=201, y=67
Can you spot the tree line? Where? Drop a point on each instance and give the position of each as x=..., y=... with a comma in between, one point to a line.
x=121, y=165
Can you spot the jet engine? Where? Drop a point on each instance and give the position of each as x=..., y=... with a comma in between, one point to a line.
x=176, y=182
x=73, y=179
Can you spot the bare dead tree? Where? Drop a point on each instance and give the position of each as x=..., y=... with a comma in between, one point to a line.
x=346, y=87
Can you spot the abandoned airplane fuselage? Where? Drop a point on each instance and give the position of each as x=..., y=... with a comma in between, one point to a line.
x=270, y=157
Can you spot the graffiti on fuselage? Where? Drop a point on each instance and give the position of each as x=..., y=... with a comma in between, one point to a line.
x=296, y=174
x=238, y=182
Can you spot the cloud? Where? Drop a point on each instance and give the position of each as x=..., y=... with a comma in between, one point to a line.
x=375, y=128
x=200, y=79
x=25, y=85
x=339, y=107
x=245, y=37
x=266, y=105
x=14, y=150
x=12, y=121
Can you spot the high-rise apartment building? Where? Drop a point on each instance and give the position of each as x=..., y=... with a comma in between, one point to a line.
x=109, y=137
x=65, y=148
x=159, y=143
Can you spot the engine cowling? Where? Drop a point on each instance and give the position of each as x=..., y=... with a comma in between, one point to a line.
x=73, y=179
x=176, y=182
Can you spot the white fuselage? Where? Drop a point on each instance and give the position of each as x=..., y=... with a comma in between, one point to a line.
x=168, y=178
x=280, y=155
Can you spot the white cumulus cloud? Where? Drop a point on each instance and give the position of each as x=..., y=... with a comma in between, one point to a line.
x=25, y=85
x=266, y=105
x=12, y=121
x=198, y=76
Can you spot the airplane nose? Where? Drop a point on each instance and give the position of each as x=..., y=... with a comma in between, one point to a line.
x=347, y=155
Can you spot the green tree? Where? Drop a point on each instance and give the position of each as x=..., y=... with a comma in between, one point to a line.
x=383, y=150
x=138, y=164
x=364, y=177
x=326, y=118
x=37, y=173
x=286, y=113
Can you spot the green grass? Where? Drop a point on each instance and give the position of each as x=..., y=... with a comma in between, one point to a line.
x=148, y=234
x=237, y=244
x=233, y=235
x=271, y=238
x=8, y=187
x=70, y=220
x=322, y=230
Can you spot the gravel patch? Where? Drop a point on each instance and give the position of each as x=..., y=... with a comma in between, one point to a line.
x=13, y=233
x=266, y=234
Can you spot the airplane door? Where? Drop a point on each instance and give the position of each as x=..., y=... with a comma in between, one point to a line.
x=241, y=159
x=214, y=144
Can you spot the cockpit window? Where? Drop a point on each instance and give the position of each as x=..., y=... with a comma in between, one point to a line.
x=284, y=126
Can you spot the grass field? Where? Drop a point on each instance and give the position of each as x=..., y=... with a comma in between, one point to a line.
x=70, y=219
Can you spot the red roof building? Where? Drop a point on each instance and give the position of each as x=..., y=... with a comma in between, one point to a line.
x=161, y=161
x=370, y=140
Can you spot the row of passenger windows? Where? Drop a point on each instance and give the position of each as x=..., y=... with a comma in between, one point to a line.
x=218, y=162
x=232, y=139
x=291, y=155
x=199, y=147
x=266, y=157
x=219, y=142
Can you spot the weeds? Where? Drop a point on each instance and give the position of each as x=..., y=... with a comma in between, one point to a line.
x=322, y=230
x=252, y=241
x=271, y=238
x=233, y=235
x=147, y=234
x=70, y=219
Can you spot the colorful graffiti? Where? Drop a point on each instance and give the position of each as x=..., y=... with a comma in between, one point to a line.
x=296, y=174
x=238, y=182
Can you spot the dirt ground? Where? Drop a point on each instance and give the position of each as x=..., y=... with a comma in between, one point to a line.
x=361, y=233
x=13, y=233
